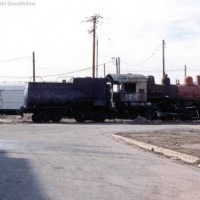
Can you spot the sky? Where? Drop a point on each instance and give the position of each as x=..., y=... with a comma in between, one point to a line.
x=133, y=30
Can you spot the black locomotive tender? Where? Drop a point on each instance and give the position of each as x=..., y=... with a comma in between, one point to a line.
x=123, y=96
x=82, y=99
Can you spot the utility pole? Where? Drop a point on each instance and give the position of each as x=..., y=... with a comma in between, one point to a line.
x=118, y=65
x=163, y=51
x=117, y=60
x=95, y=20
x=104, y=67
x=97, y=56
x=185, y=71
x=33, y=66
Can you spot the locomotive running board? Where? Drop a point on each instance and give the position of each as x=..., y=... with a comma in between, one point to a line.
x=196, y=112
x=166, y=114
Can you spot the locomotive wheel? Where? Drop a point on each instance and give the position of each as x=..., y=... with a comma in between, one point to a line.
x=80, y=117
x=135, y=115
x=151, y=114
x=36, y=118
x=99, y=118
x=44, y=118
x=40, y=118
x=56, y=118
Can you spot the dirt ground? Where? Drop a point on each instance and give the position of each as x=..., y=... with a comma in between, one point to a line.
x=183, y=141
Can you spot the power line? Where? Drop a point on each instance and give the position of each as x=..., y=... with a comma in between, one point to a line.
x=17, y=77
x=147, y=58
x=53, y=75
x=66, y=73
x=157, y=71
x=21, y=58
x=126, y=71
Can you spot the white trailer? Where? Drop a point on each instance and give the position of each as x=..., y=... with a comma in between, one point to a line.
x=11, y=97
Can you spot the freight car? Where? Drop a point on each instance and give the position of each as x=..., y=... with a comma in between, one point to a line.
x=82, y=99
x=11, y=98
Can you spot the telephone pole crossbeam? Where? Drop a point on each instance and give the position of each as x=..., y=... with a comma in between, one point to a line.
x=95, y=20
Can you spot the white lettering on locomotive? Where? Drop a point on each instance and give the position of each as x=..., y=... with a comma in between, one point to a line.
x=130, y=96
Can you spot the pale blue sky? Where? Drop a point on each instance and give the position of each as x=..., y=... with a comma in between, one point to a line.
x=130, y=29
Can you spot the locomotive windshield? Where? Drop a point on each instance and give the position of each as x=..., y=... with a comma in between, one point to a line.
x=130, y=87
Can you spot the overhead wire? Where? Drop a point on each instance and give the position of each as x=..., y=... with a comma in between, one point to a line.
x=71, y=72
x=158, y=71
x=52, y=75
x=14, y=59
x=141, y=63
x=84, y=69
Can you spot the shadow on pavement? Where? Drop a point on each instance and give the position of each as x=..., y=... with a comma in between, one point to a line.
x=17, y=180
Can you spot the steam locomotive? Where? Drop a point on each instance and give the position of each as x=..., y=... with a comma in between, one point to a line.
x=174, y=101
x=123, y=96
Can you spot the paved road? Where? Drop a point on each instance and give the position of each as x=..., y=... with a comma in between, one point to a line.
x=73, y=161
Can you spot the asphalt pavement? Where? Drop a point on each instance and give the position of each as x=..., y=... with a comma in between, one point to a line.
x=73, y=161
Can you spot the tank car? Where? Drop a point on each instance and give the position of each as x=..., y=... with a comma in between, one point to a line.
x=174, y=101
x=11, y=98
x=82, y=99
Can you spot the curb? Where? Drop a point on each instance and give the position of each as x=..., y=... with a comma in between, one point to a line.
x=171, y=153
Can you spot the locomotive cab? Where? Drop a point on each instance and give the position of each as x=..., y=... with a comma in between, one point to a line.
x=129, y=94
x=134, y=91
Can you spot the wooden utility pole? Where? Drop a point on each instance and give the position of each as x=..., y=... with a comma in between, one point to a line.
x=163, y=51
x=33, y=66
x=185, y=71
x=117, y=61
x=118, y=65
x=97, y=56
x=95, y=20
x=93, y=57
x=104, y=67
